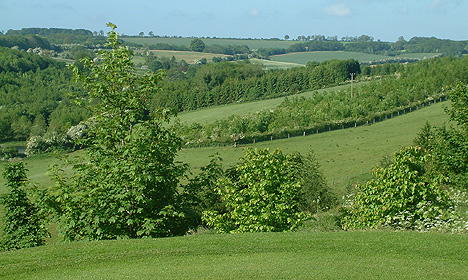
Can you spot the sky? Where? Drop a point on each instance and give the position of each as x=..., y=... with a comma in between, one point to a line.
x=384, y=20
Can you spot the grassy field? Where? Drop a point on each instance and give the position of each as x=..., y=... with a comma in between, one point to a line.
x=252, y=44
x=211, y=114
x=304, y=57
x=189, y=57
x=298, y=255
x=346, y=156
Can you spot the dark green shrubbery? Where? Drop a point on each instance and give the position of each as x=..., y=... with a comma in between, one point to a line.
x=22, y=224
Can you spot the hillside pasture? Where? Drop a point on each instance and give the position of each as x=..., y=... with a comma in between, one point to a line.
x=346, y=155
x=296, y=255
x=320, y=56
x=252, y=44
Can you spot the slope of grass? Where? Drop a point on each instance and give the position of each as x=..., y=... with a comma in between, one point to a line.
x=211, y=114
x=299, y=255
x=347, y=156
x=304, y=57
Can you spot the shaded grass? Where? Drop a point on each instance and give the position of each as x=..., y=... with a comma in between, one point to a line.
x=299, y=255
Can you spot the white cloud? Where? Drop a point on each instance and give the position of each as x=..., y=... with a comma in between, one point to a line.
x=339, y=10
x=254, y=13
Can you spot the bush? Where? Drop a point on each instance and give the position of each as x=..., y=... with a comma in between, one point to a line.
x=22, y=225
x=401, y=196
x=262, y=193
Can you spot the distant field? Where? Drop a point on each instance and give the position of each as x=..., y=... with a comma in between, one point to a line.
x=189, y=57
x=304, y=57
x=212, y=114
x=253, y=44
x=271, y=64
x=281, y=255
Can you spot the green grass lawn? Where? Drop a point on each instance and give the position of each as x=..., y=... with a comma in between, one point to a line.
x=298, y=255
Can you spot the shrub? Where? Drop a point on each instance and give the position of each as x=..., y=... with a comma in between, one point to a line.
x=22, y=225
x=401, y=196
x=262, y=193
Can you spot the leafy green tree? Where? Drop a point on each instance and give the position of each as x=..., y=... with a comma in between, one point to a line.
x=22, y=224
x=402, y=195
x=261, y=194
x=126, y=184
x=197, y=45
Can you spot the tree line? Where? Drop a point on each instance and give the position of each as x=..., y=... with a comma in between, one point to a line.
x=402, y=88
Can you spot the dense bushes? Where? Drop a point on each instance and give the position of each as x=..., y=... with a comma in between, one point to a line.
x=262, y=193
x=22, y=222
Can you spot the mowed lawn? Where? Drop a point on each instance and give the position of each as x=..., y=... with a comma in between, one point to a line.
x=297, y=255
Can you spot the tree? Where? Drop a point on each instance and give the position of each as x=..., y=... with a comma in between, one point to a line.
x=402, y=195
x=197, y=45
x=22, y=225
x=151, y=34
x=126, y=184
x=286, y=37
x=262, y=193
x=141, y=34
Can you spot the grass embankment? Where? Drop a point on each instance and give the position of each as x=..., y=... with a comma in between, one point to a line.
x=298, y=255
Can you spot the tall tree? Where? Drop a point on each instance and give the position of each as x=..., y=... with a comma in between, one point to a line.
x=126, y=186
x=197, y=45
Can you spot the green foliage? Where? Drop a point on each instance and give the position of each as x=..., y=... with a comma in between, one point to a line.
x=402, y=195
x=22, y=223
x=200, y=193
x=197, y=45
x=263, y=193
x=315, y=190
x=126, y=184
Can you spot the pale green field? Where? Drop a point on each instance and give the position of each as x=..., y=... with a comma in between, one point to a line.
x=296, y=255
x=304, y=57
x=252, y=44
x=211, y=114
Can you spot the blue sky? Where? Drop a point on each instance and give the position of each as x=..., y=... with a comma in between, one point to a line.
x=382, y=19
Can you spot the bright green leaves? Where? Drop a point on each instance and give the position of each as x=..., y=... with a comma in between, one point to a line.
x=396, y=196
x=263, y=193
x=126, y=184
